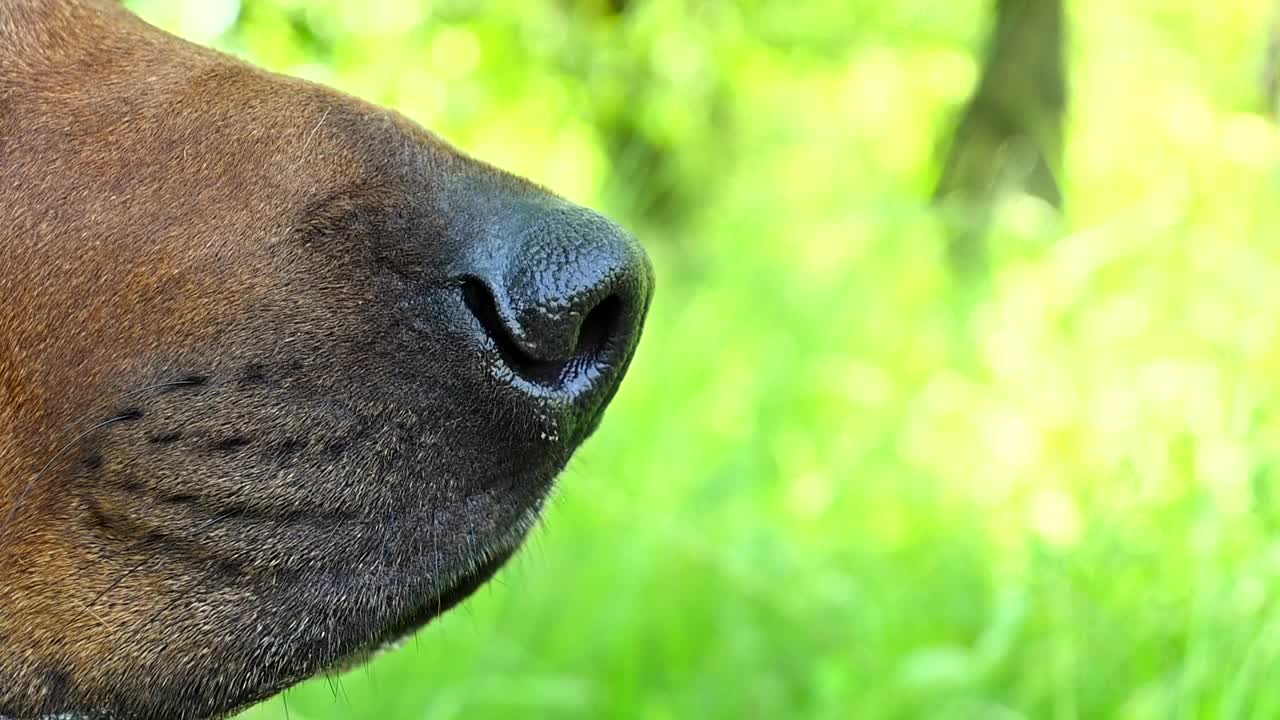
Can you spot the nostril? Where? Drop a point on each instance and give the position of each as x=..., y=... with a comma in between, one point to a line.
x=484, y=307
x=482, y=304
x=600, y=324
x=593, y=337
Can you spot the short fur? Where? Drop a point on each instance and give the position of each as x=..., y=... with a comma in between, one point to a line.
x=244, y=434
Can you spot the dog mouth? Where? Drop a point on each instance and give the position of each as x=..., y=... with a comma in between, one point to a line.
x=356, y=517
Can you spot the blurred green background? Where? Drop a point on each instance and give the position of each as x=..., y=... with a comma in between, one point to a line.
x=851, y=476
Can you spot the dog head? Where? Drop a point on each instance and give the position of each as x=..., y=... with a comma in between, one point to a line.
x=282, y=375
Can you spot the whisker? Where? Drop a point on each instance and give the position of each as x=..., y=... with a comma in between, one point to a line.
x=129, y=640
x=311, y=136
x=132, y=415
x=96, y=616
x=435, y=561
x=142, y=563
x=22, y=496
x=346, y=698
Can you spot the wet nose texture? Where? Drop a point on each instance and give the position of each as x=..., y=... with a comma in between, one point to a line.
x=562, y=292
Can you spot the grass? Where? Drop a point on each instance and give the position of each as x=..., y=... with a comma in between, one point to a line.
x=838, y=483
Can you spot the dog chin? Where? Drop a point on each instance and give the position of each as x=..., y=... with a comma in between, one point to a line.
x=485, y=565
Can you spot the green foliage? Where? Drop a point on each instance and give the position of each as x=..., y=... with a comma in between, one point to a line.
x=837, y=484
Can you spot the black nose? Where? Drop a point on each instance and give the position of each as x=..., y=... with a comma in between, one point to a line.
x=561, y=292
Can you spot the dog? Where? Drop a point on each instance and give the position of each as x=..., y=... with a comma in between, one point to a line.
x=283, y=375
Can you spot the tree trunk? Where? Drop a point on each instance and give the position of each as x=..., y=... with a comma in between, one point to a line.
x=1271, y=68
x=1009, y=137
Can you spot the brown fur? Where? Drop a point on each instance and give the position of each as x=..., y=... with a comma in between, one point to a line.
x=241, y=437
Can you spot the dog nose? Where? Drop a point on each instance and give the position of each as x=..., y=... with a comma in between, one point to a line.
x=561, y=293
